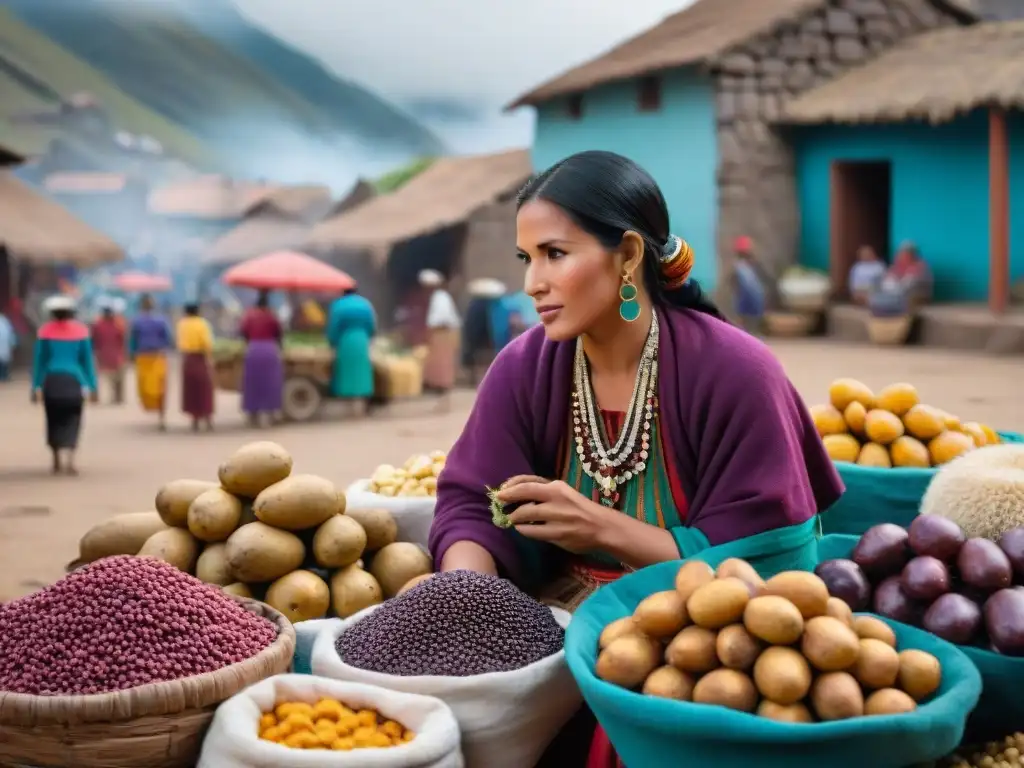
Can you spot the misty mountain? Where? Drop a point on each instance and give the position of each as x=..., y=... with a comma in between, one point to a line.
x=265, y=108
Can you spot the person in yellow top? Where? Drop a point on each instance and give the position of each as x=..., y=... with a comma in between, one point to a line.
x=195, y=343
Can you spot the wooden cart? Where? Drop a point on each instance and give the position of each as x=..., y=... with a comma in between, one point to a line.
x=307, y=377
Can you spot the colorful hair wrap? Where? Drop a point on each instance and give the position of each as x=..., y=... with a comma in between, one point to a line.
x=676, y=263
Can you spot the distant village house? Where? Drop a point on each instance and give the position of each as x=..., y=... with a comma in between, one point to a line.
x=814, y=126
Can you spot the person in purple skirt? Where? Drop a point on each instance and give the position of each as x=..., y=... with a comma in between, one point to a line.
x=263, y=374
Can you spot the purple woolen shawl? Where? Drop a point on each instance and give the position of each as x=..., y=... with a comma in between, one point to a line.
x=748, y=455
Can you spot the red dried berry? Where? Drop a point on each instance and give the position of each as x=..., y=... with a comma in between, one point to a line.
x=120, y=623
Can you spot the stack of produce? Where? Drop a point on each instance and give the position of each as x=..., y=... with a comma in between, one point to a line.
x=416, y=477
x=1007, y=753
x=329, y=724
x=121, y=623
x=454, y=624
x=264, y=532
x=397, y=372
x=892, y=428
x=966, y=591
x=783, y=648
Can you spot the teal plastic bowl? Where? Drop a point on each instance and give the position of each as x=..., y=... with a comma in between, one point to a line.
x=649, y=732
x=876, y=495
x=1000, y=710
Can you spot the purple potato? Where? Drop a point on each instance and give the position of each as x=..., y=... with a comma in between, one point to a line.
x=1012, y=544
x=983, y=565
x=925, y=578
x=893, y=603
x=1004, y=620
x=845, y=580
x=882, y=551
x=936, y=537
x=954, y=618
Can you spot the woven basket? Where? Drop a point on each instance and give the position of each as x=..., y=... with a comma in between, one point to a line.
x=890, y=331
x=790, y=324
x=161, y=725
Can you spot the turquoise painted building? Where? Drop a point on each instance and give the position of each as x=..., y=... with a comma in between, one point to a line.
x=812, y=129
x=937, y=196
x=677, y=143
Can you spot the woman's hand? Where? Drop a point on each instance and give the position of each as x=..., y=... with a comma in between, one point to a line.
x=552, y=511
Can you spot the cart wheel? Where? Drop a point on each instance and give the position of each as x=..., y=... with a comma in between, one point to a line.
x=301, y=399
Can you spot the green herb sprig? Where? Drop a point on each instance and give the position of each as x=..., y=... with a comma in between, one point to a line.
x=498, y=516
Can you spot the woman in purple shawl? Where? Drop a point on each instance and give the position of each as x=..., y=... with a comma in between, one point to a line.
x=633, y=420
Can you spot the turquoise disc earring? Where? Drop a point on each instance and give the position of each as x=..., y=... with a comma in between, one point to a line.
x=629, y=308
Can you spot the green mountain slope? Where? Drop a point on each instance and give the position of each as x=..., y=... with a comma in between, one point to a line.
x=220, y=87
x=35, y=73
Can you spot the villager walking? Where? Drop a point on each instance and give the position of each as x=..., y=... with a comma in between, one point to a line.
x=195, y=343
x=63, y=375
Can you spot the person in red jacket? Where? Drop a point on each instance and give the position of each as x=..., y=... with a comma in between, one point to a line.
x=109, y=344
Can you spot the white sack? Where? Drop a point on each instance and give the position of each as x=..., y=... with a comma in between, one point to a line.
x=413, y=514
x=507, y=719
x=233, y=739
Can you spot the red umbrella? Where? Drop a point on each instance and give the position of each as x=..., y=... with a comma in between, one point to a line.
x=142, y=282
x=289, y=271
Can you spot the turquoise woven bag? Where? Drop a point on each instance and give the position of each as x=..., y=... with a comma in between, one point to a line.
x=876, y=495
x=648, y=732
x=1000, y=710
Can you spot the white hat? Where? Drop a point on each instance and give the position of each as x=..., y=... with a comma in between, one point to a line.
x=487, y=288
x=59, y=303
x=430, y=277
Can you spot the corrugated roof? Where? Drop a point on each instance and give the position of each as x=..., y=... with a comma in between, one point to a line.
x=36, y=229
x=934, y=76
x=85, y=182
x=447, y=193
x=700, y=31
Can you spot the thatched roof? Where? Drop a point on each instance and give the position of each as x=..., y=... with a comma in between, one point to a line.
x=699, y=32
x=282, y=222
x=934, y=76
x=299, y=200
x=208, y=197
x=447, y=193
x=36, y=229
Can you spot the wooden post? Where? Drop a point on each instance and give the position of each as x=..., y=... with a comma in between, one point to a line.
x=999, y=212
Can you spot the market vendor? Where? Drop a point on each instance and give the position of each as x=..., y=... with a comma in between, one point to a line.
x=352, y=323
x=635, y=425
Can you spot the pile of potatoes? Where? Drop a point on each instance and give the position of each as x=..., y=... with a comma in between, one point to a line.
x=1008, y=753
x=417, y=477
x=783, y=649
x=893, y=428
x=265, y=533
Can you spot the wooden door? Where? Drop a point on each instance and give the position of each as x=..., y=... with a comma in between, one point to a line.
x=859, y=215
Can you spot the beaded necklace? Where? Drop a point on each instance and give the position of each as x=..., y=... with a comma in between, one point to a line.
x=611, y=466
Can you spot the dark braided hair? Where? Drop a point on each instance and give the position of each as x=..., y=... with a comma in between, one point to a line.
x=607, y=195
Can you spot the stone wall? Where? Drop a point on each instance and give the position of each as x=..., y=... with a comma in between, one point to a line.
x=489, y=249
x=756, y=175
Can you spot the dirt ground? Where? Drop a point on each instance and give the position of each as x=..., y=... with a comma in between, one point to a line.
x=124, y=459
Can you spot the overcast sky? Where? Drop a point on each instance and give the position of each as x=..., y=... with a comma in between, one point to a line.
x=475, y=53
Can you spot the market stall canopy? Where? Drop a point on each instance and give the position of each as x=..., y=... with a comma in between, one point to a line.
x=35, y=229
x=934, y=76
x=289, y=271
x=142, y=282
x=447, y=193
